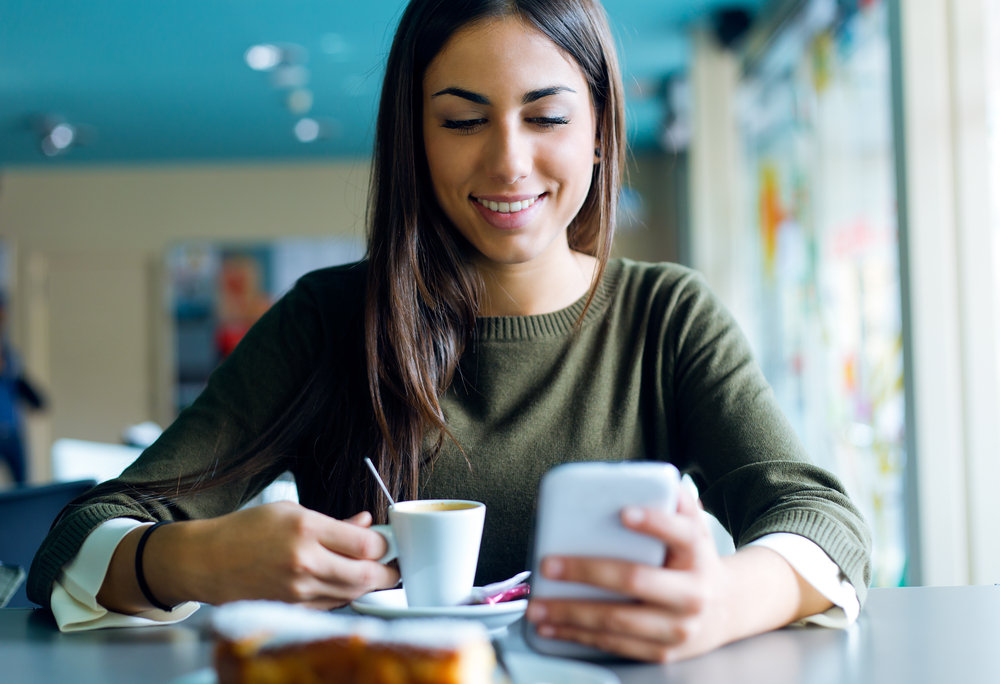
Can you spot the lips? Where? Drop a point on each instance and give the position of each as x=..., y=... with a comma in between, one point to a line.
x=513, y=218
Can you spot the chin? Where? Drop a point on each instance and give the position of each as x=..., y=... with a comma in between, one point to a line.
x=510, y=257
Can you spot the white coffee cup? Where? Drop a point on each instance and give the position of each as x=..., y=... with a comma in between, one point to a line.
x=437, y=544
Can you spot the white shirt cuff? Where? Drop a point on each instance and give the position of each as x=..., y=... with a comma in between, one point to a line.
x=74, y=594
x=816, y=568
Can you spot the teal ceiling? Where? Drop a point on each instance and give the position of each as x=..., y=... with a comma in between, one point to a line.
x=156, y=80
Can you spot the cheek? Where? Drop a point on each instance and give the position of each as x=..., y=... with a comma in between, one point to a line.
x=572, y=163
x=445, y=163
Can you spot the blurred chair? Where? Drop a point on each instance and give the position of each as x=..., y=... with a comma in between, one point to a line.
x=76, y=459
x=11, y=577
x=26, y=513
x=282, y=489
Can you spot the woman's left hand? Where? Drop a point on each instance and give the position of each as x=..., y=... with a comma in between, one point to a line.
x=693, y=604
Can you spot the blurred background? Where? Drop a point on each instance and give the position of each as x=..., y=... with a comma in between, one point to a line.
x=167, y=170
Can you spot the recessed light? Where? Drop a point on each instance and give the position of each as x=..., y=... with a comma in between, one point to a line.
x=289, y=76
x=62, y=136
x=307, y=130
x=300, y=101
x=263, y=57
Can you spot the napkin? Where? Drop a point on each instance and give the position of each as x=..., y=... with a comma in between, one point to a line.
x=499, y=592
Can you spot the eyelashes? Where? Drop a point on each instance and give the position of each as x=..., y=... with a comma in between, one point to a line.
x=471, y=125
x=549, y=121
x=463, y=124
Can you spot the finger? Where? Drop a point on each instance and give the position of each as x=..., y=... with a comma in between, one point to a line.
x=327, y=593
x=325, y=604
x=640, y=621
x=687, y=504
x=357, y=576
x=351, y=540
x=683, y=532
x=625, y=646
x=671, y=589
x=362, y=519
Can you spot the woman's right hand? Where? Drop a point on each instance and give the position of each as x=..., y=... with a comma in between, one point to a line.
x=280, y=551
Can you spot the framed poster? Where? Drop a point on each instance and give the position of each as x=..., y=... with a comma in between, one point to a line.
x=219, y=290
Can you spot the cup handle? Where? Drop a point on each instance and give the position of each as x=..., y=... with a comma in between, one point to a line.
x=390, y=540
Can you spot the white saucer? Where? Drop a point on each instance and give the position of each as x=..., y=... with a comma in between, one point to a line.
x=527, y=668
x=391, y=604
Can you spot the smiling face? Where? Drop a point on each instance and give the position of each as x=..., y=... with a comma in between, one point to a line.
x=510, y=130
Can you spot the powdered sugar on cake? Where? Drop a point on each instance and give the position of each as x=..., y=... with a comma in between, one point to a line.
x=281, y=624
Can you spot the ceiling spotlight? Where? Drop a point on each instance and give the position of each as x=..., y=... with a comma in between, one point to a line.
x=307, y=130
x=56, y=136
x=62, y=136
x=263, y=57
x=310, y=129
x=268, y=56
x=300, y=101
x=289, y=76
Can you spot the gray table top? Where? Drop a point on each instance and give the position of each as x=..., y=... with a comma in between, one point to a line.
x=934, y=634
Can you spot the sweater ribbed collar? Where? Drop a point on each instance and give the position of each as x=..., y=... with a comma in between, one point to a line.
x=562, y=322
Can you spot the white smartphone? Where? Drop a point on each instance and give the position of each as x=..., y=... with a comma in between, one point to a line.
x=579, y=514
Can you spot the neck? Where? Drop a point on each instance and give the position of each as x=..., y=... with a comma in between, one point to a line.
x=543, y=285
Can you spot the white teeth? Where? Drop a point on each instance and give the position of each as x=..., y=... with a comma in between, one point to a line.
x=507, y=207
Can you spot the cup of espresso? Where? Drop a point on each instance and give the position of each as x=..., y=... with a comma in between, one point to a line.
x=437, y=544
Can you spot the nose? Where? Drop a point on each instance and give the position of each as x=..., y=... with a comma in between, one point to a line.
x=508, y=154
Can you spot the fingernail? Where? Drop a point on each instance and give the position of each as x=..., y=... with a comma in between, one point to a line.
x=553, y=568
x=633, y=515
x=547, y=631
x=536, y=612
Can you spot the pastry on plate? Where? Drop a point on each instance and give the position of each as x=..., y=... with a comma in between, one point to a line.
x=266, y=642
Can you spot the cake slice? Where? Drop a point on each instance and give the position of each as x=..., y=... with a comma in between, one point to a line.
x=266, y=642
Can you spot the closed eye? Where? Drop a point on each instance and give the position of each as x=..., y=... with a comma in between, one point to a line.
x=464, y=125
x=469, y=125
x=548, y=121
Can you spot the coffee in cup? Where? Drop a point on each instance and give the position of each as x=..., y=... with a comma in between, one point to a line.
x=437, y=544
x=425, y=506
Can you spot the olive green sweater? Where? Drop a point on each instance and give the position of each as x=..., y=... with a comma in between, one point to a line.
x=657, y=370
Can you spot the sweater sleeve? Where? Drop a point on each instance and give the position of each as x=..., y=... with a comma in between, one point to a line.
x=743, y=454
x=244, y=396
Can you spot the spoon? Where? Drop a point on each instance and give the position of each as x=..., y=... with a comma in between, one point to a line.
x=371, y=466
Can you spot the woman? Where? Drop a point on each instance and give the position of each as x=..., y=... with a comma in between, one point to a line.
x=487, y=338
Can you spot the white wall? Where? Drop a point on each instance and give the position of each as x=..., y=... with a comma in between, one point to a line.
x=716, y=164
x=87, y=303
x=951, y=289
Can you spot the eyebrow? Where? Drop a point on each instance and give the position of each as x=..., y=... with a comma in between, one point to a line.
x=528, y=98
x=544, y=92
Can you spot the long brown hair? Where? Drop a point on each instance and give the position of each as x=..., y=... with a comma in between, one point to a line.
x=422, y=295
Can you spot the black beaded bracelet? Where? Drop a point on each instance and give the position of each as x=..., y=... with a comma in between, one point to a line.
x=140, y=575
